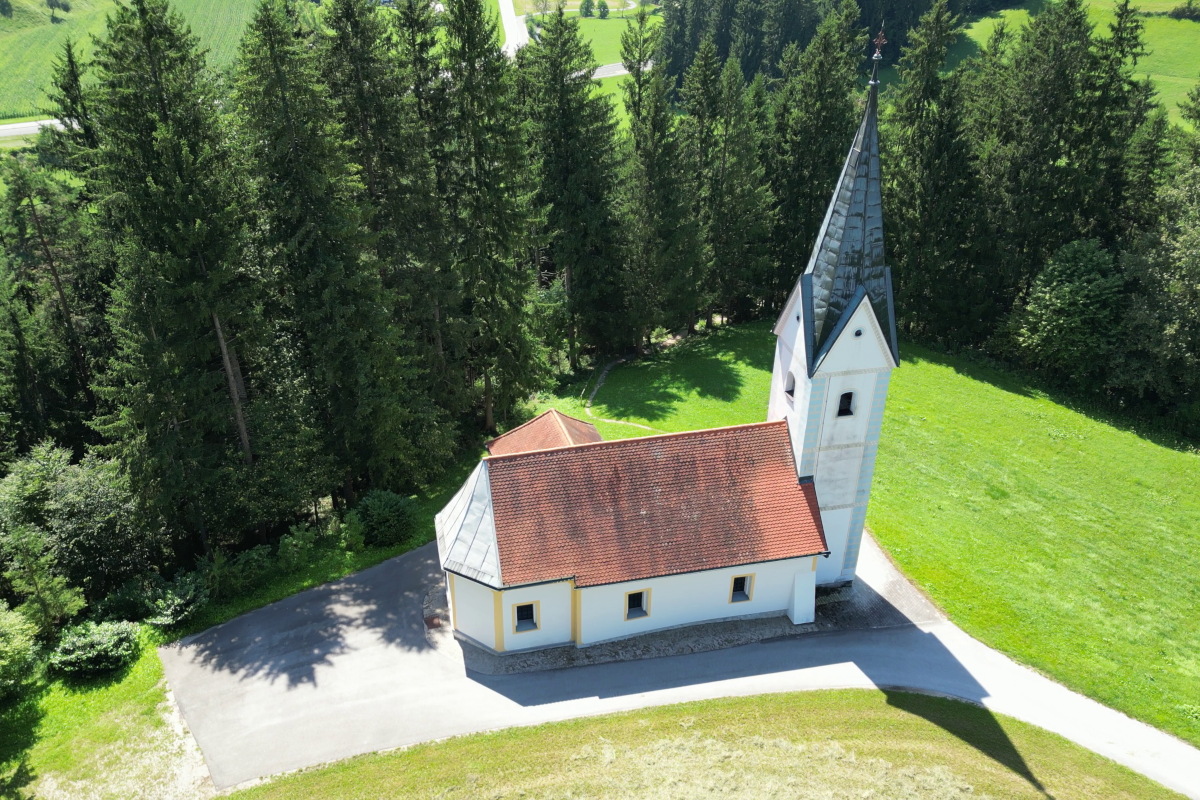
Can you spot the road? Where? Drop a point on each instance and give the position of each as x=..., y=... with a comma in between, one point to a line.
x=346, y=669
x=24, y=128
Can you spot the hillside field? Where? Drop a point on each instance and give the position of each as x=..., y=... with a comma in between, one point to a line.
x=30, y=42
x=1173, y=61
x=1065, y=539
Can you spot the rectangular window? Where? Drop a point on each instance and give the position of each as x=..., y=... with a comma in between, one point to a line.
x=525, y=617
x=741, y=588
x=637, y=604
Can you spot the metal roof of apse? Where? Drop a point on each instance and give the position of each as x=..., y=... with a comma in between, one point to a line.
x=848, y=255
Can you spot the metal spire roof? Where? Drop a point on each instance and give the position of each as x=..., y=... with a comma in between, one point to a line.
x=847, y=261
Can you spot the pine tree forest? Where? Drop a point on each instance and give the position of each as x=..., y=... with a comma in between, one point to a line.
x=232, y=303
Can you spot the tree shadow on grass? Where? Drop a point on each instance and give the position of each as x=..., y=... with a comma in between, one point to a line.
x=703, y=366
x=1026, y=385
x=19, y=719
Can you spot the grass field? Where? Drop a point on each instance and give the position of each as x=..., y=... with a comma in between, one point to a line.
x=1173, y=62
x=1051, y=534
x=810, y=745
x=30, y=42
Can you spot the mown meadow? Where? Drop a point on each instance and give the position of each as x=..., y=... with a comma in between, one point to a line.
x=811, y=744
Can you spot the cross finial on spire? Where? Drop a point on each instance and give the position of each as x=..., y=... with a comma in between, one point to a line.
x=879, y=42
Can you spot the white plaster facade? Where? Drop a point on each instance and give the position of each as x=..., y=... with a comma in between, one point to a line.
x=838, y=451
x=566, y=614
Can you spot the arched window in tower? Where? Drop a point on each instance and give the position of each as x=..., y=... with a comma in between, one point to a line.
x=846, y=405
x=789, y=386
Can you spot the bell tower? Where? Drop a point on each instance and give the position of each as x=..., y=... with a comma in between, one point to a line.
x=836, y=347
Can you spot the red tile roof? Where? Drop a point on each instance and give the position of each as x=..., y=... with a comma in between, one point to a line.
x=551, y=429
x=660, y=505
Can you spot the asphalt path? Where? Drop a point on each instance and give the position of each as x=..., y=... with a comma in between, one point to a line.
x=25, y=128
x=346, y=668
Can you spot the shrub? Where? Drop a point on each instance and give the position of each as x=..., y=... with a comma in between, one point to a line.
x=1067, y=326
x=587, y=8
x=17, y=650
x=99, y=539
x=602, y=9
x=92, y=648
x=1189, y=10
x=348, y=532
x=178, y=600
x=296, y=547
x=387, y=517
x=49, y=600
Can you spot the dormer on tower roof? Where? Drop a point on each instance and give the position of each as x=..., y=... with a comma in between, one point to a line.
x=847, y=262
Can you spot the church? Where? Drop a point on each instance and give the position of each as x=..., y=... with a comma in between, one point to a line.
x=559, y=538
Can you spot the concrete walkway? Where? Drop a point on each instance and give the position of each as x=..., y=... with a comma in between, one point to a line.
x=346, y=669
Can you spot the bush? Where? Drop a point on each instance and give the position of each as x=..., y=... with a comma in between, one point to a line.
x=587, y=8
x=348, y=532
x=93, y=648
x=602, y=9
x=99, y=539
x=226, y=577
x=295, y=548
x=17, y=650
x=1069, y=323
x=1189, y=10
x=388, y=519
x=178, y=600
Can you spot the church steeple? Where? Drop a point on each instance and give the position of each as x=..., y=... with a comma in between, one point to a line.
x=847, y=261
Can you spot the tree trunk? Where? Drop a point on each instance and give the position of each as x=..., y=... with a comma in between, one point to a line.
x=233, y=378
x=68, y=320
x=489, y=420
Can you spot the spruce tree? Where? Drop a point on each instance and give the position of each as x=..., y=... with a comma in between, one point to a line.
x=488, y=205
x=571, y=135
x=181, y=311
x=813, y=122
x=335, y=310
x=738, y=214
x=663, y=246
x=938, y=233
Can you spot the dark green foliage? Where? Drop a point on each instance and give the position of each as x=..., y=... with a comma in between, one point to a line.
x=1074, y=305
x=663, y=258
x=18, y=650
x=334, y=312
x=49, y=601
x=184, y=315
x=95, y=648
x=939, y=239
x=602, y=9
x=587, y=8
x=572, y=139
x=388, y=519
x=732, y=201
x=813, y=121
x=488, y=205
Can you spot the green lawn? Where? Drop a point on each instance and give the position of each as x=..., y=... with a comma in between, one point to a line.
x=1068, y=542
x=1173, y=62
x=812, y=744
x=605, y=34
x=611, y=88
x=29, y=41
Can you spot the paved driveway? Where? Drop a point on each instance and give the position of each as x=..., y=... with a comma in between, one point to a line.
x=346, y=669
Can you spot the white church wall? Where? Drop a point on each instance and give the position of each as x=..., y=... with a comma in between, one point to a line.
x=473, y=610
x=552, y=605
x=836, y=475
x=677, y=600
x=836, y=524
x=866, y=352
x=803, y=606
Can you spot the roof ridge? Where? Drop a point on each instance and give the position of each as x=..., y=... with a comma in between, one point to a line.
x=634, y=439
x=558, y=415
